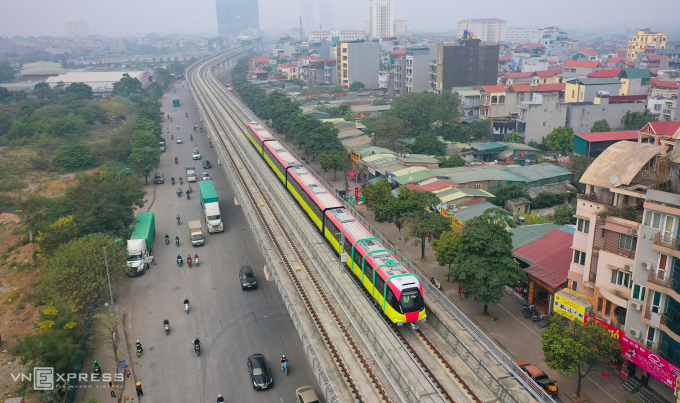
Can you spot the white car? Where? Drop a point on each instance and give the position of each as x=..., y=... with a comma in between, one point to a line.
x=205, y=176
x=179, y=140
x=196, y=155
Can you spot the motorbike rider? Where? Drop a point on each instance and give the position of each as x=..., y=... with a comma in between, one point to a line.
x=173, y=180
x=196, y=258
x=177, y=127
x=197, y=342
x=168, y=130
x=189, y=189
x=176, y=160
x=177, y=242
x=177, y=217
x=187, y=114
x=189, y=260
x=220, y=399
x=180, y=180
x=186, y=301
x=191, y=137
x=139, y=347
x=97, y=367
x=201, y=130
x=167, y=238
x=284, y=360
x=179, y=258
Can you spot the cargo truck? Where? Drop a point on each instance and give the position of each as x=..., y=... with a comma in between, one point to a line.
x=211, y=206
x=196, y=233
x=139, y=246
x=191, y=173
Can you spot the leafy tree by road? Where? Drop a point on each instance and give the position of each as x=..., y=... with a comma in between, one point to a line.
x=356, y=86
x=561, y=139
x=427, y=112
x=401, y=210
x=377, y=194
x=484, y=264
x=428, y=144
x=424, y=224
x=391, y=130
x=143, y=160
x=513, y=191
x=574, y=347
x=126, y=86
x=600, y=126
x=335, y=160
x=80, y=90
x=74, y=155
x=446, y=248
x=453, y=161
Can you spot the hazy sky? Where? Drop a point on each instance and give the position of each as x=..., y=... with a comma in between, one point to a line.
x=138, y=17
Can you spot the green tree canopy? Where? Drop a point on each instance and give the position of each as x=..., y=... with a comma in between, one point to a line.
x=636, y=120
x=600, y=126
x=391, y=130
x=335, y=160
x=143, y=160
x=453, y=161
x=570, y=346
x=424, y=224
x=484, y=263
x=80, y=90
x=401, y=210
x=561, y=139
x=508, y=193
x=377, y=194
x=428, y=144
x=564, y=214
x=479, y=130
x=74, y=155
x=547, y=199
x=446, y=248
x=6, y=72
x=428, y=112
x=356, y=86
x=126, y=86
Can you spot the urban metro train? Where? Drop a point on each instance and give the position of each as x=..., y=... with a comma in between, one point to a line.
x=395, y=289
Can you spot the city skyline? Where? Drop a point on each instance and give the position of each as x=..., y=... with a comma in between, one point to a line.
x=37, y=17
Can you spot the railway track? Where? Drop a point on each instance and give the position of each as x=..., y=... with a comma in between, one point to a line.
x=262, y=205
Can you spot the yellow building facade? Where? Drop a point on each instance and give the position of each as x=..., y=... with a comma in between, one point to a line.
x=341, y=63
x=644, y=38
x=574, y=92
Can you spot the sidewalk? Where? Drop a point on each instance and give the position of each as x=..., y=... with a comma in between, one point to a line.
x=519, y=337
x=102, y=350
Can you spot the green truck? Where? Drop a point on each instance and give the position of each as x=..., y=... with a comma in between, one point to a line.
x=211, y=206
x=139, y=246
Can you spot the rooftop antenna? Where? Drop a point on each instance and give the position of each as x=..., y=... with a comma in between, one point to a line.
x=300, y=29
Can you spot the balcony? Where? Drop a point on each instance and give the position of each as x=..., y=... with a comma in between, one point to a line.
x=660, y=280
x=648, y=316
x=666, y=244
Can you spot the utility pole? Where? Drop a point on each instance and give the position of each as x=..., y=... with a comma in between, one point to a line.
x=300, y=30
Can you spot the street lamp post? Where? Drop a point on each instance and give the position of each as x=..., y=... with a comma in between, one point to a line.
x=106, y=262
x=121, y=171
x=147, y=125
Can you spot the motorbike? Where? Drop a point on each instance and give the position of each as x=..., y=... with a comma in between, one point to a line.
x=186, y=308
x=194, y=128
x=167, y=329
x=211, y=144
x=527, y=307
x=187, y=114
x=201, y=130
x=172, y=137
x=178, y=219
x=538, y=317
x=189, y=263
x=196, y=261
x=285, y=367
x=180, y=181
x=140, y=350
x=167, y=241
x=177, y=241
x=97, y=372
x=179, y=192
x=179, y=261
x=173, y=181
x=191, y=137
x=197, y=349
x=188, y=197
x=176, y=160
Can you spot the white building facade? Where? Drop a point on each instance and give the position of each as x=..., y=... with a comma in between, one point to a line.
x=318, y=36
x=381, y=18
x=486, y=29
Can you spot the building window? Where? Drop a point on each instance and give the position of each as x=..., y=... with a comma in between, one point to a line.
x=639, y=292
x=582, y=225
x=656, y=301
x=627, y=242
x=652, y=219
x=579, y=257
x=651, y=333
x=574, y=285
x=608, y=308
x=599, y=304
x=622, y=278
x=573, y=93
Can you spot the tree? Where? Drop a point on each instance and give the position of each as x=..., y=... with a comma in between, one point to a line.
x=446, y=248
x=577, y=165
x=424, y=224
x=334, y=160
x=126, y=86
x=453, y=161
x=76, y=273
x=144, y=160
x=428, y=112
x=108, y=327
x=59, y=232
x=335, y=90
x=6, y=72
x=428, y=144
x=571, y=346
x=564, y=214
x=546, y=199
x=377, y=194
x=401, y=210
x=74, y=155
x=600, y=126
x=561, y=139
x=636, y=120
x=391, y=130
x=356, y=86
x=484, y=263
x=80, y=90
x=479, y=130
x=508, y=193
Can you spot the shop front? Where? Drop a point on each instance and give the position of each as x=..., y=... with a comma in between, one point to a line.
x=650, y=368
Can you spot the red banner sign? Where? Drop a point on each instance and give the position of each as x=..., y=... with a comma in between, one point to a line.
x=356, y=193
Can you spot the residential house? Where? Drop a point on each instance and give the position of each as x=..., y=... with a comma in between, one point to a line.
x=520, y=205
x=510, y=153
x=357, y=61
x=471, y=99
x=494, y=177
x=652, y=61
x=399, y=75
x=607, y=73
x=634, y=82
x=586, y=89
x=663, y=99
x=581, y=67
x=417, y=68
x=324, y=71
x=464, y=63
x=589, y=54
x=290, y=71
x=591, y=145
x=515, y=78
x=544, y=77
x=615, y=63
x=501, y=100
x=660, y=133
x=540, y=115
x=645, y=38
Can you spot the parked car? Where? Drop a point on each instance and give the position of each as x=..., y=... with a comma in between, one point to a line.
x=538, y=376
x=196, y=155
x=306, y=394
x=158, y=178
x=205, y=176
x=179, y=140
x=260, y=373
x=206, y=164
x=247, y=277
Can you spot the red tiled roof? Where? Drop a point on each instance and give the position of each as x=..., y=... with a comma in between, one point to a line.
x=658, y=57
x=399, y=52
x=614, y=60
x=587, y=51
x=533, y=45
x=519, y=75
x=581, y=63
x=605, y=73
x=547, y=73
x=550, y=257
x=505, y=59
x=287, y=65
x=519, y=88
x=493, y=88
x=610, y=136
x=277, y=76
x=261, y=59
x=668, y=128
x=550, y=87
x=655, y=82
x=305, y=57
x=259, y=72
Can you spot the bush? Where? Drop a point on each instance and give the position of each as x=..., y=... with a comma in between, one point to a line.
x=74, y=155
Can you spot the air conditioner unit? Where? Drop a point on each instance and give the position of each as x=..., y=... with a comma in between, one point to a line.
x=635, y=305
x=607, y=320
x=627, y=268
x=646, y=265
x=634, y=333
x=633, y=231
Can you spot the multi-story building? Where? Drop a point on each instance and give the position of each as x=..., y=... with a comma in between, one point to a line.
x=522, y=36
x=400, y=27
x=486, y=29
x=663, y=99
x=323, y=71
x=399, y=75
x=357, y=60
x=500, y=101
x=381, y=18
x=334, y=35
x=586, y=89
x=236, y=16
x=634, y=81
x=417, y=66
x=464, y=63
x=78, y=29
x=645, y=38
x=471, y=98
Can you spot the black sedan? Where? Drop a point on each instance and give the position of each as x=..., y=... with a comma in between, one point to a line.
x=206, y=164
x=260, y=373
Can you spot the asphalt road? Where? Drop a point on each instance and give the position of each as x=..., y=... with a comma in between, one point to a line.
x=231, y=323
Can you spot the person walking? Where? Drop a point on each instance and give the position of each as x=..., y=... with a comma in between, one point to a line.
x=128, y=373
x=140, y=392
x=112, y=389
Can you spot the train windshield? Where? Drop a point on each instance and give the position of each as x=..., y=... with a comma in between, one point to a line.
x=411, y=300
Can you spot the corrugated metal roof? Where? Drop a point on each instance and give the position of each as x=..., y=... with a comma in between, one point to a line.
x=409, y=170
x=526, y=234
x=92, y=76
x=414, y=177
x=465, y=213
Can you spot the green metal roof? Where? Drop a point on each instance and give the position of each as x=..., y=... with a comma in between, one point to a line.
x=598, y=81
x=471, y=210
x=489, y=147
x=409, y=170
x=635, y=73
x=414, y=177
x=369, y=150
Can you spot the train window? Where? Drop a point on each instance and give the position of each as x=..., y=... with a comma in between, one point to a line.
x=379, y=285
x=391, y=299
x=410, y=300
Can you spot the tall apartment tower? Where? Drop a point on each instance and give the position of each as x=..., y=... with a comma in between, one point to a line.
x=382, y=18
x=357, y=60
x=237, y=16
x=400, y=27
x=464, y=63
x=325, y=15
x=79, y=29
x=486, y=29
